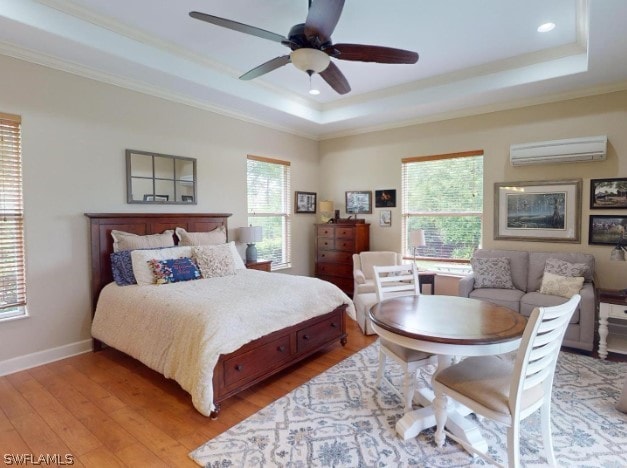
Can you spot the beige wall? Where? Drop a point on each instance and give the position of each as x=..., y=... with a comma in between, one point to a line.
x=373, y=161
x=75, y=132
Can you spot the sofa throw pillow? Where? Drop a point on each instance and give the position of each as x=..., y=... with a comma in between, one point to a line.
x=217, y=236
x=492, y=273
x=173, y=270
x=129, y=241
x=122, y=268
x=563, y=268
x=140, y=258
x=558, y=285
x=214, y=260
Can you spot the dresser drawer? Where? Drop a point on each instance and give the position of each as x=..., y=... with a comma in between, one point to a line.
x=345, y=233
x=334, y=269
x=347, y=245
x=335, y=256
x=326, y=243
x=316, y=334
x=325, y=231
x=256, y=361
x=617, y=311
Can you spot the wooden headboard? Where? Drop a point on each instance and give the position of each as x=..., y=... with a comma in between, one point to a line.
x=101, y=224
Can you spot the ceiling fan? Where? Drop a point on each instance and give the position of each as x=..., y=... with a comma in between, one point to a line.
x=311, y=45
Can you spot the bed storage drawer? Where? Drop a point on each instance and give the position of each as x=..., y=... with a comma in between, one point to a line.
x=316, y=334
x=255, y=362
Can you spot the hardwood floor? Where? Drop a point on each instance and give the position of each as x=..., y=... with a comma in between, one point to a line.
x=107, y=409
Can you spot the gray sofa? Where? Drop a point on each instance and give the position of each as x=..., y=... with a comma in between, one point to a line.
x=527, y=269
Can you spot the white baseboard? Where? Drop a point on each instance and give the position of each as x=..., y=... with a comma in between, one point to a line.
x=39, y=358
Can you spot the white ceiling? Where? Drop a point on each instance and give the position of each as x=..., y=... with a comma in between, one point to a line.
x=475, y=56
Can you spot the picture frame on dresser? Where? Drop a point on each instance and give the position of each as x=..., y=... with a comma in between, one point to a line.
x=608, y=193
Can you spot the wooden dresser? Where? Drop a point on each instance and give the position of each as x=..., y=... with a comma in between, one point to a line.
x=335, y=246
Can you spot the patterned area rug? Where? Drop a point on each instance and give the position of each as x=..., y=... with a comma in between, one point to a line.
x=340, y=419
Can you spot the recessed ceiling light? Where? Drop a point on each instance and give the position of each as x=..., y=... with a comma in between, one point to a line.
x=314, y=91
x=546, y=27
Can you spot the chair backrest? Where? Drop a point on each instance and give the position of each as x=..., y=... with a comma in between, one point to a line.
x=396, y=280
x=367, y=260
x=540, y=346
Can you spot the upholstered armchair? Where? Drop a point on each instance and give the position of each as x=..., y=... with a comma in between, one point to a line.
x=365, y=293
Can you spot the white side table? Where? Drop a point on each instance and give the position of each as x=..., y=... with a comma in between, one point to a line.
x=612, y=305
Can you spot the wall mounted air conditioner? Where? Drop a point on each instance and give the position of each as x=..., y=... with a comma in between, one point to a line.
x=559, y=151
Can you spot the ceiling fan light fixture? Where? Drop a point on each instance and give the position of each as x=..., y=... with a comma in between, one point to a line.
x=312, y=90
x=546, y=27
x=307, y=59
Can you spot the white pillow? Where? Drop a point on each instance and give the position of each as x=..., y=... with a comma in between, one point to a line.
x=237, y=260
x=129, y=241
x=564, y=286
x=140, y=258
x=217, y=236
x=214, y=260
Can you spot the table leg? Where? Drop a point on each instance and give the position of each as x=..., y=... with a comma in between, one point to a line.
x=603, y=332
x=414, y=422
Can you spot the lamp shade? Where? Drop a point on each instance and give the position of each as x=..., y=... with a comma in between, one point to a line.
x=417, y=238
x=307, y=59
x=326, y=206
x=250, y=234
x=618, y=254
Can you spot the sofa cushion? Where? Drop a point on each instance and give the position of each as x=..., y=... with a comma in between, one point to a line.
x=492, y=273
x=531, y=300
x=537, y=264
x=562, y=268
x=564, y=286
x=505, y=297
x=518, y=261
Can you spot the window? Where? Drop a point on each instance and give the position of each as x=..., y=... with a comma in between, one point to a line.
x=443, y=195
x=268, y=182
x=12, y=276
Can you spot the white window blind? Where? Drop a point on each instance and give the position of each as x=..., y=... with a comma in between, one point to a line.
x=12, y=275
x=268, y=182
x=443, y=195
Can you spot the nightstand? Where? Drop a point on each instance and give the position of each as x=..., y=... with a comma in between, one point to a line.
x=263, y=265
x=612, y=305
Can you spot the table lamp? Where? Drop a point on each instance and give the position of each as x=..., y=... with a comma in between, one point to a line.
x=326, y=211
x=618, y=252
x=249, y=235
x=417, y=239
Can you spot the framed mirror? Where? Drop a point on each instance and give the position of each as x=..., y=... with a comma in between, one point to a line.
x=160, y=178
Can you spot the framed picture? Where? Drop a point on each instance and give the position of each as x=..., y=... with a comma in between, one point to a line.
x=305, y=202
x=156, y=198
x=544, y=211
x=385, y=218
x=385, y=198
x=359, y=202
x=608, y=193
x=607, y=229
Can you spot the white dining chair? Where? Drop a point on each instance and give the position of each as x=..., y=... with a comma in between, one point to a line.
x=505, y=391
x=394, y=281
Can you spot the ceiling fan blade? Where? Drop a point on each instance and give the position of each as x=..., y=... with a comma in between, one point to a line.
x=369, y=53
x=266, y=67
x=241, y=27
x=336, y=79
x=322, y=18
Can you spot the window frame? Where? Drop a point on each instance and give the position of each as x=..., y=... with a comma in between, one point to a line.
x=284, y=213
x=448, y=264
x=12, y=207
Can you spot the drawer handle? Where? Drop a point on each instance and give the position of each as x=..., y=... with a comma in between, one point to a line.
x=305, y=337
x=239, y=367
x=281, y=349
x=333, y=325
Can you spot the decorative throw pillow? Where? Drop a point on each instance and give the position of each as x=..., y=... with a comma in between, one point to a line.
x=492, y=273
x=563, y=286
x=140, y=258
x=562, y=268
x=217, y=236
x=214, y=260
x=174, y=270
x=122, y=268
x=129, y=241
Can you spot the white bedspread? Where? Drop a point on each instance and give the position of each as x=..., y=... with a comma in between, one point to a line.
x=181, y=329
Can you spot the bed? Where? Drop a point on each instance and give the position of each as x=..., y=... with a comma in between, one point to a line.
x=188, y=343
